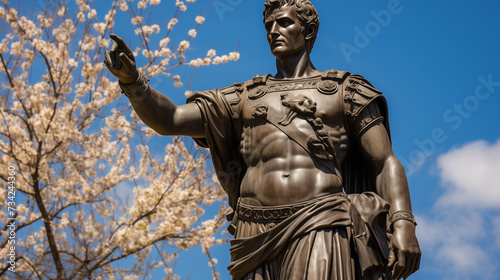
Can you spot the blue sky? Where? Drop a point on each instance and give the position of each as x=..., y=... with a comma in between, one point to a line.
x=437, y=63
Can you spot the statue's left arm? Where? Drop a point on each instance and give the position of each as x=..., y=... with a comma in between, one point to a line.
x=392, y=185
x=366, y=112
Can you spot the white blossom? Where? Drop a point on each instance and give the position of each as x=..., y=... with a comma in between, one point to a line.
x=16, y=48
x=142, y=4
x=207, y=61
x=147, y=54
x=147, y=30
x=92, y=13
x=211, y=53
x=183, y=45
x=3, y=46
x=61, y=11
x=45, y=21
x=200, y=19
x=137, y=20
x=100, y=27
x=123, y=5
x=83, y=7
x=81, y=17
x=172, y=23
x=234, y=56
x=217, y=60
x=181, y=5
x=196, y=62
x=70, y=125
x=192, y=33
x=72, y=62
x=164, y=42
x=164, y=52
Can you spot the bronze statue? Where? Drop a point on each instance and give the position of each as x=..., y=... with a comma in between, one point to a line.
x=304, y=156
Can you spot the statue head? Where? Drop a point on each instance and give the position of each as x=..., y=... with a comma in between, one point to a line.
x=305, y=12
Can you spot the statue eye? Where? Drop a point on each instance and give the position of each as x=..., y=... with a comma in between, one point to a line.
x=285, y=22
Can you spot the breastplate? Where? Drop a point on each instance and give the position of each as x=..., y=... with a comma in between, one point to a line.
x=309, y=111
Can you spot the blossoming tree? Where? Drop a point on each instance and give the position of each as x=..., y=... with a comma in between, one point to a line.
x=74, y=147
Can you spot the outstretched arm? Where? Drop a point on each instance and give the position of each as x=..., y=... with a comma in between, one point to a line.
x=154, y=108
x=392, y=185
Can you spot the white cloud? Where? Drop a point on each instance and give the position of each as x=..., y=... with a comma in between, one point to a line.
x=465, y=258
x=471, y=175
x=453, y=239
x=463, y=234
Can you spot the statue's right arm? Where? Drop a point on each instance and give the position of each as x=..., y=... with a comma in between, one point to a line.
x=155, y=109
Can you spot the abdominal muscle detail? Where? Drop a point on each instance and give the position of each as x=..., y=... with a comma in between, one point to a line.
x=280, y=171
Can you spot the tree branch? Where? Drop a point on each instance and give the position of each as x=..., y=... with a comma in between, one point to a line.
x=6, y=71
x=47, y=223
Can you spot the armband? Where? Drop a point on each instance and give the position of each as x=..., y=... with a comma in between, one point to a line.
x=402, y=215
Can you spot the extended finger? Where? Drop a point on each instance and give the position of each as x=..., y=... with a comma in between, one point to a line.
x=121, y=44
x=118, y=40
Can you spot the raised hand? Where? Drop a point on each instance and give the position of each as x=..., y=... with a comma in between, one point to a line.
x=121, y=62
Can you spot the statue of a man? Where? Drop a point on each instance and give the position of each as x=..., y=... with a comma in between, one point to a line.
x=304, y=156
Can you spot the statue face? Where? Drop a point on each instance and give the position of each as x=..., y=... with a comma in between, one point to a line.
x=285, y=33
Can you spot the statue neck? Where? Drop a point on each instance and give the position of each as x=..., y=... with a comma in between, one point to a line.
x=296, y=67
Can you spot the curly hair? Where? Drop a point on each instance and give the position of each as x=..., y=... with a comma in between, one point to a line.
x=306, y=13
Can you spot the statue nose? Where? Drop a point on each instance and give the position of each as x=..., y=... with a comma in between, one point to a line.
x=274, y=29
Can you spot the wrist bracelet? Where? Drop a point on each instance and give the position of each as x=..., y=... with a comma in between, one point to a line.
x=137, y=89
x=402, y=215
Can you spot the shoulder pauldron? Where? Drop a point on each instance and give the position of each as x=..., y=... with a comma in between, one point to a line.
x=358, y=93
x=232, y=93
x=330, y=81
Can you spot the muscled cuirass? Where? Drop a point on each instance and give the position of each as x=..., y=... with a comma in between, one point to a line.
x=251, y=124
x=308, y=111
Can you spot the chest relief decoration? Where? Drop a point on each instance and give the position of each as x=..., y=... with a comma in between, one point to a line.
x=327, y=87
x=320, y=144
x=297, y=105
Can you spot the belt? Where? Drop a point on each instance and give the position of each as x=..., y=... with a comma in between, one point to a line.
x=271, y=213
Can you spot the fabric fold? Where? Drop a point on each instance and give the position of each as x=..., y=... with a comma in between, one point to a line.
x=330, y=211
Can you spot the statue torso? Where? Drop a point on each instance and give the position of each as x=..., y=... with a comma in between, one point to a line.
x=280, y=171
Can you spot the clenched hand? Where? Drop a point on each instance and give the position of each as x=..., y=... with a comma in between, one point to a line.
x=404, y=258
